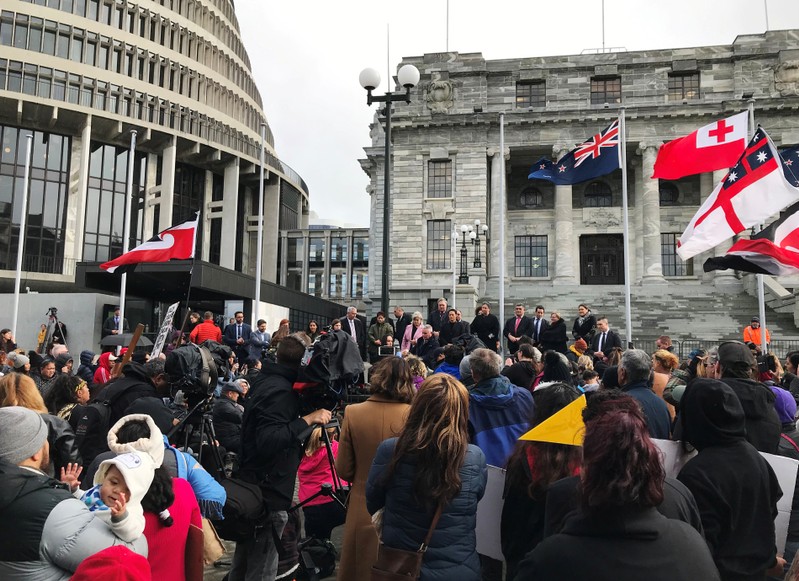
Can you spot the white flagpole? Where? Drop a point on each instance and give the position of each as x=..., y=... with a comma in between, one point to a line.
x=625, y=211
x=126, y=229
x=22, y=224
x=454, y=235
x=761, y=291
x=259, y=250
x=502, y=219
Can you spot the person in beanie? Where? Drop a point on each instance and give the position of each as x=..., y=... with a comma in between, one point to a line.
x=752, y=333
x=227, y=416
x=114, y=564
x=45, y=533
x=18, y=363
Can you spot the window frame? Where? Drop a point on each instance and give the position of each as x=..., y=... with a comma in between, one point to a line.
x=524, y=256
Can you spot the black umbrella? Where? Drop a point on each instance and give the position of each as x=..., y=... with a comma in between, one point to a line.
x=124, y=340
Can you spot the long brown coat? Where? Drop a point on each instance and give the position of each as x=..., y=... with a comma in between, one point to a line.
x=365, y=426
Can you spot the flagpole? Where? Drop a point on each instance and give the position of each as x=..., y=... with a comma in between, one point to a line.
x=761, y=291
x=625, y=211
x=454, y=236
x=126, y=229
x=188, y=291
x=259, y=250
x=22, y=224
x=502, y=220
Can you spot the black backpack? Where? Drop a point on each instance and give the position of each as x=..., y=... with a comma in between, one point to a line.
x=468, y=342
x=244, y=510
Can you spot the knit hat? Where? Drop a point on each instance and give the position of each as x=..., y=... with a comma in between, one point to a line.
x=138, y=470
x=755, y=320
x=581, y=344
x=785, y=405
x=22, y=433
x=17, y=360
x=732, y=352
x=116, y=563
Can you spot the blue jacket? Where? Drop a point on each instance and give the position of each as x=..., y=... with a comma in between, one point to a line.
x=452, y=552
x=657, y=414
x=453, y=370
x=499, y=412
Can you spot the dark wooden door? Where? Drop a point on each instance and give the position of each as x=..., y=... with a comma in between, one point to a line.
x=602, y=259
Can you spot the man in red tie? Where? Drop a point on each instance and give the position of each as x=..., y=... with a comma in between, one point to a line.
x=516, y=327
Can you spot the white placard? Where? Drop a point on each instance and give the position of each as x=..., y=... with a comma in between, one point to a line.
x=489, y=515
x=166, y=327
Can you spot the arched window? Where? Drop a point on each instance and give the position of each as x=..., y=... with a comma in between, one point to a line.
x=598, y=195
x=531, y=197
x=669, y=194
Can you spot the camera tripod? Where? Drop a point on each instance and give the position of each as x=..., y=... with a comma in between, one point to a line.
x=54, y=329
x=198, y=425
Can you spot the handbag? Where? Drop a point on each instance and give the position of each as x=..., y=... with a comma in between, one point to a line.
x=400, y=564
x=213, y=548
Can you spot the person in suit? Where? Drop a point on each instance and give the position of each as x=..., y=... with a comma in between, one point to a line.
x=486, y=327
x=603, y=342
x=111, y=324
x=425, y=348
x=554, y=337
x=452, y=328
x=259, y=341
x=403, y=320
x=585, y=324
x=353, y=326
x=540, y=324
x=517, y=326
x=237, y=336
x=438, y=317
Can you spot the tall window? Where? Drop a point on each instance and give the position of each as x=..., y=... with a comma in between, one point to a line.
x=669, y=194
x=439, y=244
x=605, y=90
x=338, y=250
x=105, y=204
x=531, y=256
x=673, y=265
x=531, y=94
x=598, y=195
x=189, y=196
x=289, y=207
x=215, y=242
x=439, y=179
x=316, y=251
x=531, y=197
x=338, y=284
x=47, y=199
x=683, y=86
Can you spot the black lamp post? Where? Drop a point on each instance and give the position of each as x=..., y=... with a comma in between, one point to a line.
x=408, y=77
x=464, y=275
x=478, y=263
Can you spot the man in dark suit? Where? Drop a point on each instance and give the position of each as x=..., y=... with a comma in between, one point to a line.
x=353, y=326
x=403, y=320
x=486, y=327
x=603, y=342
x=516, y=327
x=237, y=337
x=540, y=324
x=438, y=317
x=111, y=324
x=425, y=347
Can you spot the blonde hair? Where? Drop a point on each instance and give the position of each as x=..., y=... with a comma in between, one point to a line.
x=315, y=440
x=585, y=362
x=668, y=360
x=20, y=390
x=418, y=368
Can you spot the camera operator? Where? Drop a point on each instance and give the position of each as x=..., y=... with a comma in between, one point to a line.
x=227, y=414
x=274, y=434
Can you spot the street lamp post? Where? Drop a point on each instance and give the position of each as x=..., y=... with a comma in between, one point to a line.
x=408, y=77
x=478, y=262
x=466, y=231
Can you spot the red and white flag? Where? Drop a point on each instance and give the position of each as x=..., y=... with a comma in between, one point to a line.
x=712, y=147
x=175, y=243
x=751, y=192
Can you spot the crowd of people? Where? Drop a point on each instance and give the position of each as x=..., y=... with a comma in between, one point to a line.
x=103, y=471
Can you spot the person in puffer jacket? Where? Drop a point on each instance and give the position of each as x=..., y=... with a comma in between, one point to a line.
x=86, y=369
x=46, y=532
x=430, y=465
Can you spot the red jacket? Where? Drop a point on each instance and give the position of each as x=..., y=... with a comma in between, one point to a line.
x=204, y=331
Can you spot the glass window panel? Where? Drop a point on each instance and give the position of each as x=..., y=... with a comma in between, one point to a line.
x=439, y=245
x=9, y=153
x=35, y=38
x=605, y=90
x=35, y=199
x=48, y=45
x=6, y=28
x=439, y=179
x=531, y=258
x=21, y=35
x=531, y=94
x=77, y=50
x=38, y=159
x=62, y=48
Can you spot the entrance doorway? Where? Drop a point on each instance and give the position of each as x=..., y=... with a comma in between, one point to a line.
x=602, y=259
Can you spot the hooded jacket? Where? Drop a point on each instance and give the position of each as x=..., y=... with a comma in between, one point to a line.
x=125, y=390
x=762, y=423
x=499, y=412
x=45, y=532
x=86, y=369
x=734, y=487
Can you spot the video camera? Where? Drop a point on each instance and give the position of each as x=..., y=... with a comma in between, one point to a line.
x=195, y=369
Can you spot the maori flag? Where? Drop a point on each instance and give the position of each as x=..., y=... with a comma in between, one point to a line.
x=753, y=191
x=175, y=243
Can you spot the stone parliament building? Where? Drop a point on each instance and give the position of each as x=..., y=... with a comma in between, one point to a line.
x=564, y=244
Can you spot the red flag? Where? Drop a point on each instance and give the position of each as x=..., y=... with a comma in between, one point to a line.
x=753, y=190
x=712, y=147
x=175, y=243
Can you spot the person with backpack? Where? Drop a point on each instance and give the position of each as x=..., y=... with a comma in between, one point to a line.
x=274, y=432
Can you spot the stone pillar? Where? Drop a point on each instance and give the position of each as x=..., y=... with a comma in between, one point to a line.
x=723, y=279
x=168, y=159
x=230, y=200
x=495, y=217
x=564, y=230
x=636, y=222
x=271, y=224
x=284, y=259
x=151, y=193
x=650, y=208
x=207, y=215
x=76, y=204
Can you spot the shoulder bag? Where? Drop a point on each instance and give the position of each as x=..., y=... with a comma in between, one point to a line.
x=400, y=564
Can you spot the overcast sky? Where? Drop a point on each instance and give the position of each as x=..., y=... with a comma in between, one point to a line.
x=306, y=56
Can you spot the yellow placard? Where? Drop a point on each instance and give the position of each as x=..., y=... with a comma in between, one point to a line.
x=564, y=427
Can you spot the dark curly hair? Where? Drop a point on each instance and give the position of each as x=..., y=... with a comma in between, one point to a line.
x=160, y=496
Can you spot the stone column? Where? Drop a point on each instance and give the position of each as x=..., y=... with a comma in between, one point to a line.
x=564, y=229
x=650, y=208
x=723, y=279
x=636, y=222
x=168, y=159
x=230, y=200
x=76, y=204
x=271, y=222
x=495, y=218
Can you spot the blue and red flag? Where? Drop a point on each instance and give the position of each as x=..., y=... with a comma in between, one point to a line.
x=596, y=157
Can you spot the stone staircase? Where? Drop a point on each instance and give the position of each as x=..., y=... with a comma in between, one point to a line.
x=684, y=312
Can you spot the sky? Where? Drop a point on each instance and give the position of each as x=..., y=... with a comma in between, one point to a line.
x=306, y=56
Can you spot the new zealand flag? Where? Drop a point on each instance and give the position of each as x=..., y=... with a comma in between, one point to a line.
x=596, y=157
x=790, y=164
